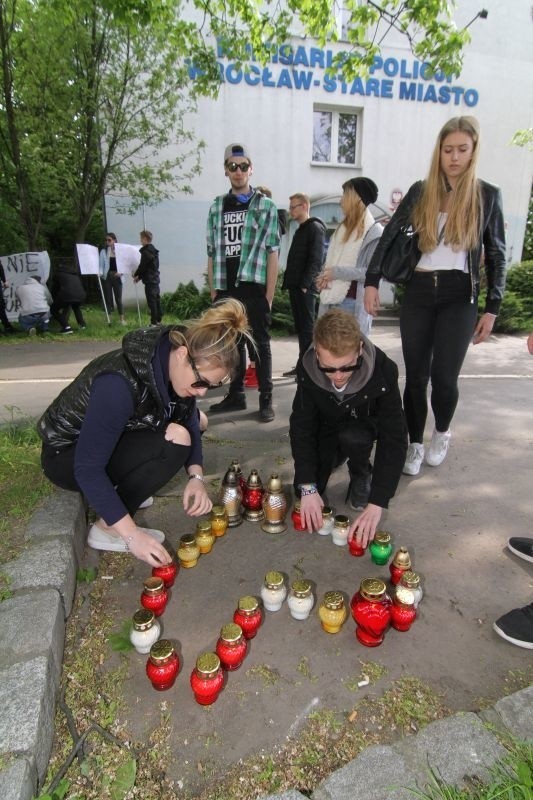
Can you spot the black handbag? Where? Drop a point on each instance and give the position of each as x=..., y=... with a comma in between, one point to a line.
x=399, y=260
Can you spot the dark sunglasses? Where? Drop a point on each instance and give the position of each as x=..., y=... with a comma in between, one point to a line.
x=233, y=167
x=202, y=383
x=347, y=368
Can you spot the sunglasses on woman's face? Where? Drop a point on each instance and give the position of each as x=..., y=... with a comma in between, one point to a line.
x=202, y=383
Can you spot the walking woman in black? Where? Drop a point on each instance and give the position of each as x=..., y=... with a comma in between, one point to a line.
x=458, y=220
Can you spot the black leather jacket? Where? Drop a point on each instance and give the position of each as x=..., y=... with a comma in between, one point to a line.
x=491, y=242
x=61, y=423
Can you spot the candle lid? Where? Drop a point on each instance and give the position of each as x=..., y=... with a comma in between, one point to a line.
x=161, y=650
x=248, y=603
x=297, y=506
x=402, y=558
x=372, y=589
x=301, y=588
x=231, y=632
x=274, y=483
x=254, y=481
x=153, y=585
x=218, y=511
x=327, y=512
x=143, y=619
x=341, y=521
x=410, y=579
x=404, y=596
x=273, y=580
x=382, y=537
x=236, y=466
x=207, y=664
x=204, y=526
x=187, y=540
x=333, y=600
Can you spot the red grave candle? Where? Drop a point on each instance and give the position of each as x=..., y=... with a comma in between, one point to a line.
x=400, y=563
x=371, y=610
x=297, y=517
x=207, y=679
x=355, y=548
x=403, y=612
x=231, y=646
x=154, y=595
x=167, y=572
x=163, y=665
x=248, y=616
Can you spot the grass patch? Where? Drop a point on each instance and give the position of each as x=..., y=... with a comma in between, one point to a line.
x=23, y=485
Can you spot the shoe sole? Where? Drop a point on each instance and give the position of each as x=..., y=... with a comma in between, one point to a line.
x=225, y=410
x=517, y=642
x=406, y=471
x=519, y=554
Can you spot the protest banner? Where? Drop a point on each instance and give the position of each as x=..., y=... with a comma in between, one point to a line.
x=17, y=267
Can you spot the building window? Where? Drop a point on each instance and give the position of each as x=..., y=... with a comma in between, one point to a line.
x=334, y=136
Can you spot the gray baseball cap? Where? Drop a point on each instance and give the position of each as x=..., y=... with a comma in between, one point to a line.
x=236, y=151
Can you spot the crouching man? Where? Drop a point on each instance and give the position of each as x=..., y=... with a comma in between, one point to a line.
x=347, y=398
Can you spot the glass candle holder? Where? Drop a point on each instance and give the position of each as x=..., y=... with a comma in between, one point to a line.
x=371, y=610
x=380, y=548
x=204, y=536
x=403, y=612
x=219, y=521
x=154, y=596
x=145, y=630
x=273, y=591
x=163, y=665
x=231, y=646
x=274, y=506
x=339, y=534
x=400, y=563
x=332, y=612
x=300, y=599
x=328, y=514
x=167, y=572
x=252, y=498
x=207, y=679
x=248, y=615
x=188, y=551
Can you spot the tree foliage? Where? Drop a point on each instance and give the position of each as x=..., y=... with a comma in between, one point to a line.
x=95, y=93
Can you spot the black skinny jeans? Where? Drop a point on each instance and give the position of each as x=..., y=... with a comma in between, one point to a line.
x=113, y=288
x=303, y=307
x=142, y=463
x=259, y=319
x=153, y=300
x=437, y=320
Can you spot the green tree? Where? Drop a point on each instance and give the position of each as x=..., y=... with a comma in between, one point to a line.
x=95, y=92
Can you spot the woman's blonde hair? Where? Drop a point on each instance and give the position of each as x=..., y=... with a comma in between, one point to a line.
x=462, y=225
x=216, y=334
x=354, y=213
x=337, y=332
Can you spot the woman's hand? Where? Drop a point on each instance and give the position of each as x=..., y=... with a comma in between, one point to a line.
x=324, y=278
x=365, y=525
x=311, y=511
x=484, y=328
x=195, y=498
x=146, y=548
x=372, y=304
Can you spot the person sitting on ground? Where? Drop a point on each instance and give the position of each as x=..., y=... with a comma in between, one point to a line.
x=129, y=422
x=347, y=398
x=68, y=292
x=35, y=301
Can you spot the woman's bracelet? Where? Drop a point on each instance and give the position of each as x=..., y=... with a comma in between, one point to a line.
x=197, y=476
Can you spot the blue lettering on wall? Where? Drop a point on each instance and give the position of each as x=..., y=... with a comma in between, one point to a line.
x=404, y=79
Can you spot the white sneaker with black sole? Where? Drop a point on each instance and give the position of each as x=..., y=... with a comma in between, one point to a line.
x=413, y=459
x=438, y=448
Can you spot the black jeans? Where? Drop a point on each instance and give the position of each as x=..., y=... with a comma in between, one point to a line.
x=437, y=320
x=353, y=441
x=259, y=318
x=60, y=312
x=303, y=307
x=151, y=290
x=141, y=464
x=113, y=287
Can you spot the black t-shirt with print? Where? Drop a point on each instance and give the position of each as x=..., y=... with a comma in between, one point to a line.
x=233, y=216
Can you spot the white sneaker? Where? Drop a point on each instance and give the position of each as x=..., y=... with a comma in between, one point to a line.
x=413, y=459
x=99, y=539
x=438, y=448
x=147, y=503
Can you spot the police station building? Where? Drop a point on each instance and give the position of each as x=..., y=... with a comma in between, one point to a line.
x=309, y=131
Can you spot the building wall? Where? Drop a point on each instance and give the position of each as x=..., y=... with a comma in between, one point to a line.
x=396, y=134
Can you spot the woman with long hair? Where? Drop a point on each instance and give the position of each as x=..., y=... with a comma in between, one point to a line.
x=129, y=422
x=457, y=218
x=350, y=249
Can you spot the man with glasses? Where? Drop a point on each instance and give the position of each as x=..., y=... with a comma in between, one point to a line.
x=304, y=262
x=347, y=399
x=242, y=247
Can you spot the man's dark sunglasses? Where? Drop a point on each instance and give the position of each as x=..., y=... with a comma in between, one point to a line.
x=233, y=167
x=201, y=383
x=347, y=368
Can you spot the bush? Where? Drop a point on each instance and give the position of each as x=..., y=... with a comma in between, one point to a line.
x=187, y=302
x=516, y=311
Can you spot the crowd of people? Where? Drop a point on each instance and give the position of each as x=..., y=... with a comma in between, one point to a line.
x=347, y=407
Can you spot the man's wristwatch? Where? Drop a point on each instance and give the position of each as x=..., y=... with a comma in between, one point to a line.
x=307, y=488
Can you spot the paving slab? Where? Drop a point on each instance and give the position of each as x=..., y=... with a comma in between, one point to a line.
x=515, y=712
x=379, y=773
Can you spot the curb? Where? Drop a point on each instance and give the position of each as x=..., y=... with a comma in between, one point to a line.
x=32, y=632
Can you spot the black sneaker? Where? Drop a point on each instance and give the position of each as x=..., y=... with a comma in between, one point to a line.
x=290, y=373
x=517, y=626
x=235, y=401
x=521, y=547
x=266, y=412
x=359, y=490
x=67, y=330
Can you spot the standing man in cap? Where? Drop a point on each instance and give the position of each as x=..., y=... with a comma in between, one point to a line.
x=304, y=262
x=242, y=261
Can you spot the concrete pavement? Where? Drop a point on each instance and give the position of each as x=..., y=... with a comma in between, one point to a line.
x=454, y=520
